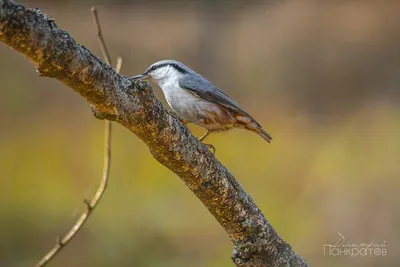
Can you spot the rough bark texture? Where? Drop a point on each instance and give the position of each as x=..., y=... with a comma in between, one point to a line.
x=133, y=105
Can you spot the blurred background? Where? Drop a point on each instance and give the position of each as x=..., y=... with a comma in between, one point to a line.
x=321, y=76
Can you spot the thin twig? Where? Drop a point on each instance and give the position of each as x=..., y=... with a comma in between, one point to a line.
x=99, y=34
x=255, y=241
x=89, y=205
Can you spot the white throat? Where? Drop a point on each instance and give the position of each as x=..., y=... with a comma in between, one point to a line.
x=166, y=77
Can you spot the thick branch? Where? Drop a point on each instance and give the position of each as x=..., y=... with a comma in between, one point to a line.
x=133, y=105
x=89, y=205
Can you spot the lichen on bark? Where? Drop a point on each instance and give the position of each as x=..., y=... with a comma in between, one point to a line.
x=133, y=105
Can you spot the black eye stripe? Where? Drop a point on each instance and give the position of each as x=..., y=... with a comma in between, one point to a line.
x=175, y=66
x=181, y=70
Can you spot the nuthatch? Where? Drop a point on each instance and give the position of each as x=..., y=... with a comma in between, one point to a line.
x=197, y=100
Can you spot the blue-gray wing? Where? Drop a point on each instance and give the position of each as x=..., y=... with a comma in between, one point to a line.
x=204, y=89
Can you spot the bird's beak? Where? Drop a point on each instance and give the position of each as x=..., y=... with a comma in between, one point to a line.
x=141, y=77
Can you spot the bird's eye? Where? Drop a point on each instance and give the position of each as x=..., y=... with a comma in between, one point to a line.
x=153, y=68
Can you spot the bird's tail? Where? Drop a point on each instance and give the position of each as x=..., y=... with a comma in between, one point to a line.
x=266, y=136
x=250, y=124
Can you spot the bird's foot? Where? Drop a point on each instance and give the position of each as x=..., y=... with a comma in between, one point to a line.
x=185, y=122
x=211, y=147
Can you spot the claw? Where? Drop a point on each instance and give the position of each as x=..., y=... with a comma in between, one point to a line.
x=185, y=122
x=211, y=147
x=204, y=136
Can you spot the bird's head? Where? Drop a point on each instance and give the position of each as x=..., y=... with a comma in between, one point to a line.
x=163, y=71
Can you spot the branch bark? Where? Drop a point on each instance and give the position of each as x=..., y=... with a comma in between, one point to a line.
x=89, y=205
x=133, y=105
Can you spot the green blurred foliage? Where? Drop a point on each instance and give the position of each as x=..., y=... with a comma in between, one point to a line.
x=321, y=77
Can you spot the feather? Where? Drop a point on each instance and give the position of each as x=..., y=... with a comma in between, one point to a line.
x=202, y=88
x=199, y=86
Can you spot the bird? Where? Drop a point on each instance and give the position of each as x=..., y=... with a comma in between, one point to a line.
x=196, y=100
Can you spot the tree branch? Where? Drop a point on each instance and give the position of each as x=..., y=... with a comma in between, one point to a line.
x=89, y=205
x=133, y=105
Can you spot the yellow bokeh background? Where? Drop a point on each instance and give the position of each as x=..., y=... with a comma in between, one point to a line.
x=321, y=77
